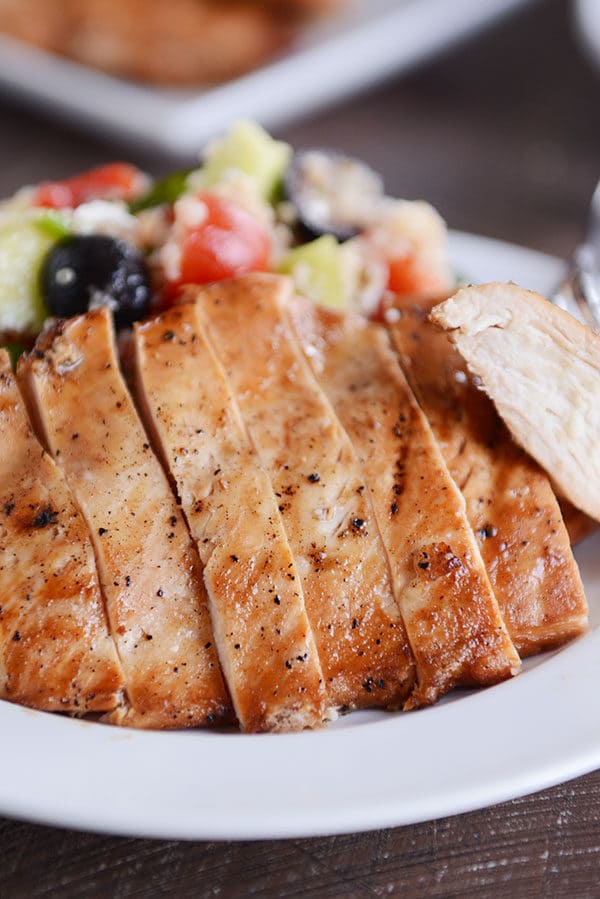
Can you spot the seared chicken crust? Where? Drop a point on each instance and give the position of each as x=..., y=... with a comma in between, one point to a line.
x=283, y=529
x=451, y=616
x=510, y=503
x=55, y=650
x=264, y=638
x=321, y=491
x=149, y=568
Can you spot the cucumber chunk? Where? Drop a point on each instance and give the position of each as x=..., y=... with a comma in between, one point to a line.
x=247, y=148
x=23, y=246
x=317, y=271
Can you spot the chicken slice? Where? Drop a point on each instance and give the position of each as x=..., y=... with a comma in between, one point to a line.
x=510, y=502
x=578, y=524
x=149, y=569
x=452, y=619
x=320, y=488
x=264, y=638
x=541, y=368
x=55, y=648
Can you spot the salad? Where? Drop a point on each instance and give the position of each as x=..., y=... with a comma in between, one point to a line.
x=113, y=236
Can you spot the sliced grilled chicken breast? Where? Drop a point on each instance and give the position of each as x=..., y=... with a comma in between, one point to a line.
x=265, y=641
x=578, y=524
x=541, y=368
x=149, y=569
x=510, y=502
x=55, y=650
x=320, y=489
x=452, y=619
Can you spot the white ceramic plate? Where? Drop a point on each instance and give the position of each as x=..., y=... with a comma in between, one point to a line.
x=365, y=42
x=587, y=25
x=369, y=770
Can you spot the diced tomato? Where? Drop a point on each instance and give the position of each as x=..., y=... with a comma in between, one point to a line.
x=404, y=277
x=229, y=242
x=117, y=181
x=409, y=278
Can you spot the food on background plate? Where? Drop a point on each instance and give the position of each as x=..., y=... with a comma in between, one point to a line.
x=180, y=42
x=276, y=517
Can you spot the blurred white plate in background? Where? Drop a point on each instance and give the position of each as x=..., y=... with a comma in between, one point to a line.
x=354, y=48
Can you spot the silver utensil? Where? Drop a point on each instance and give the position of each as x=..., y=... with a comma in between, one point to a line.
x=579, y=292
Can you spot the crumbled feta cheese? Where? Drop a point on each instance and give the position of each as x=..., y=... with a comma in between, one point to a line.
x=282, y=239
x=365, y=276
x=339, y=190
x=153, y=226
x=414, y=229
x=392, y=315
x=241, y=189
x=110, y=217
x=169, y=259
x=98, y=299
x=190, y=212
x=302, y=274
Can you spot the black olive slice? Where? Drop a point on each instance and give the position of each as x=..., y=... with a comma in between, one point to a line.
x=84, y=271
x=332, y=193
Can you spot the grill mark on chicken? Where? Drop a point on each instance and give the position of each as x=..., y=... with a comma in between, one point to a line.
x=264, y=638
x=510, y=502
x=329, y=520
x=55, y=650
x=148, y=566
x=453, y=622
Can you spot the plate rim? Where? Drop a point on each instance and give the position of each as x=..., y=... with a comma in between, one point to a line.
x=166, y=785
x=586, y=21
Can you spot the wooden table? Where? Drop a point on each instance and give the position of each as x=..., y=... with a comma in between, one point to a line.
x=503, y=135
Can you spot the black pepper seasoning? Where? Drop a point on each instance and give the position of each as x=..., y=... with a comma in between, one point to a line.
x=45, y=517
